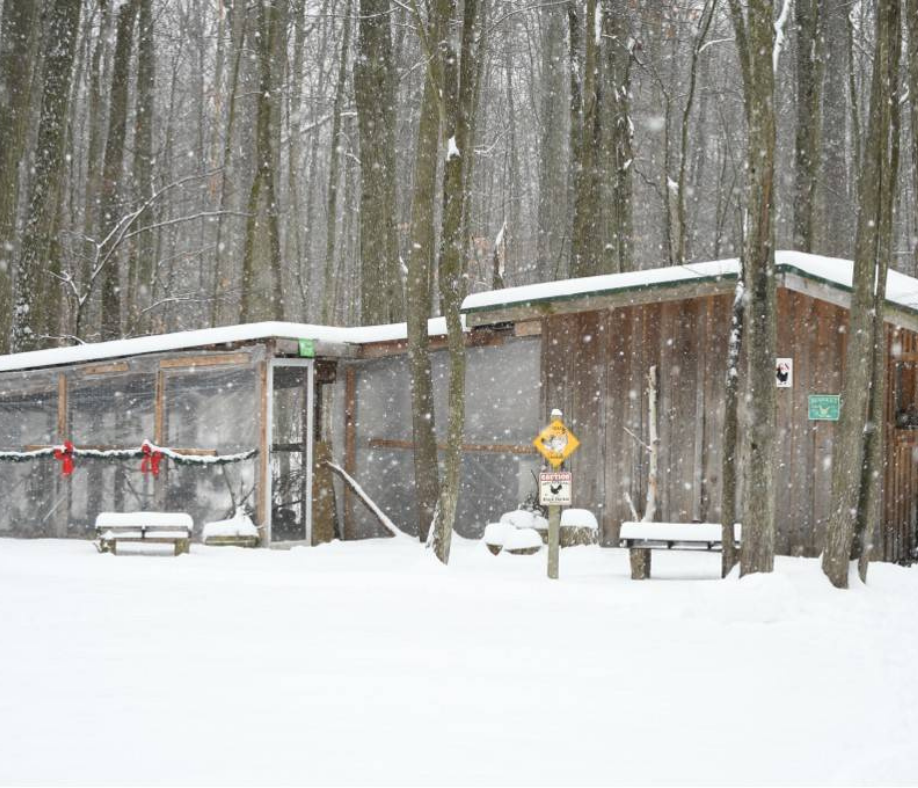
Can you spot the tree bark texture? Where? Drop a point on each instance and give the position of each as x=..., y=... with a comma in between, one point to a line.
x=110, y=209
x=419, y=304
x=46, y=179
x=381, y=296
x=18, y=27
x=262, y=266
x=854, y=459
x=808, y=132
x=755, y=34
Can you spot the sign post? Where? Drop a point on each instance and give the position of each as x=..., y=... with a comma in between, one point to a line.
x=555, y=443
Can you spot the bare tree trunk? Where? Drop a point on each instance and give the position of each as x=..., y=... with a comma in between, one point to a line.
x=584, y=259
x=262, y=271
x=113, y=167
x=48, y=170
x=551, y=227
x=809, y=132
x=458, y=95
x=381, y=295
x=18, y=27
x=836, y=203
x=418, y=301
x=331, y=218
x=731, y=444
x=681, y=222
x=220, y=280
x=140, y=278
x=856, y=457
x=755, y=39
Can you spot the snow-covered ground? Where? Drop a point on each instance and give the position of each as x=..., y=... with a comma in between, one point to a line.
x=367, y=663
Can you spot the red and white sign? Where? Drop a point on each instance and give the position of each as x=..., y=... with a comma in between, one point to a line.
x=555, y=488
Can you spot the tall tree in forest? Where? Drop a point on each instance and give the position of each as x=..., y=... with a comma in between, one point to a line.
x=44, y=193
x=334, y=175
x=911, y=17
x=857, y=448
x=585, y=257
x=835, y=200
x=18, y=27
x=616, y=133
x=262, y=272
x=458, y=92
x=419, y=282
x=704, y=25
x=113, y=167
x=552, y=222
x=140, y=272
x=807, y=15
x=381, y=297
x=755, y=43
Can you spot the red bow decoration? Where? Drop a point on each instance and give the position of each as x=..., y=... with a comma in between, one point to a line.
x=65, y=455
x=151, y=459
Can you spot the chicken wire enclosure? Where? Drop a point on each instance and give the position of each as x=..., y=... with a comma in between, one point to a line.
x=201, y=405
x=211, y=410
x=502, y=413
x=32, y=502
x=110, y=410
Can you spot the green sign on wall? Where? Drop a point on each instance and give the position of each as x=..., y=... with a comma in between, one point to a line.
x=824, y=407
x=307, y=348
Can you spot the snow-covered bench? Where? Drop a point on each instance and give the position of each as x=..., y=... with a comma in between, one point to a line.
x=173, y=528
x=641, y=538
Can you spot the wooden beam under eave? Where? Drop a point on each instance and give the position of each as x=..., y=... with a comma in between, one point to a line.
x=62, y=406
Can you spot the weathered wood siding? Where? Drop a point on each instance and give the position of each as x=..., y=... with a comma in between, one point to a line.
x=595, y=367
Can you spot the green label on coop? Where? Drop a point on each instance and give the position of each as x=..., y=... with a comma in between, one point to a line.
x=307, y=348
x=824, y=407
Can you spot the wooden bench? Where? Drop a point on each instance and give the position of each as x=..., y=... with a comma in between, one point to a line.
x=173, y=528
x=641, y=538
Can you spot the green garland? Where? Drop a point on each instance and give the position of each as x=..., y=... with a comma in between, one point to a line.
x=128, y=454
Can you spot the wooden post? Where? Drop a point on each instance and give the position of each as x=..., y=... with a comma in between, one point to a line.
x=554, y=537
x=159, y=437
x=264, y=453
x=350, y=446
x=62, y=406
x=640, y=563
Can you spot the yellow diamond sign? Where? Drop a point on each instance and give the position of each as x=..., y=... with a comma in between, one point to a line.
x=556, y=443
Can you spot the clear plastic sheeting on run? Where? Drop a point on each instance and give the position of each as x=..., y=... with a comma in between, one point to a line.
x=211, y=409
x=209, y=406
x=502, y=417
x=31, y=491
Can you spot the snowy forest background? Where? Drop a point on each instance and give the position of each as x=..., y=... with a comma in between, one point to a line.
x=157, y=155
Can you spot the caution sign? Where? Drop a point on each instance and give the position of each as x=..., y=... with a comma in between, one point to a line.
x=556, y=443
x=555, y=488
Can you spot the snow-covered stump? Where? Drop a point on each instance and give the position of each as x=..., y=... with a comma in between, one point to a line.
x=523, y=541
x=578, y=527
x=640, y=563
x=495, y=536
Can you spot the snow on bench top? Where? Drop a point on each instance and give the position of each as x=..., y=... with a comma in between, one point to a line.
x=900, y=289
x=238, y=525
x=187, y=340
x=675, y=532
x=144, y=520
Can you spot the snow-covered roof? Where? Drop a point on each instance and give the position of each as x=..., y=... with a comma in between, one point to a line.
x=901, y=290
x=206, y=337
